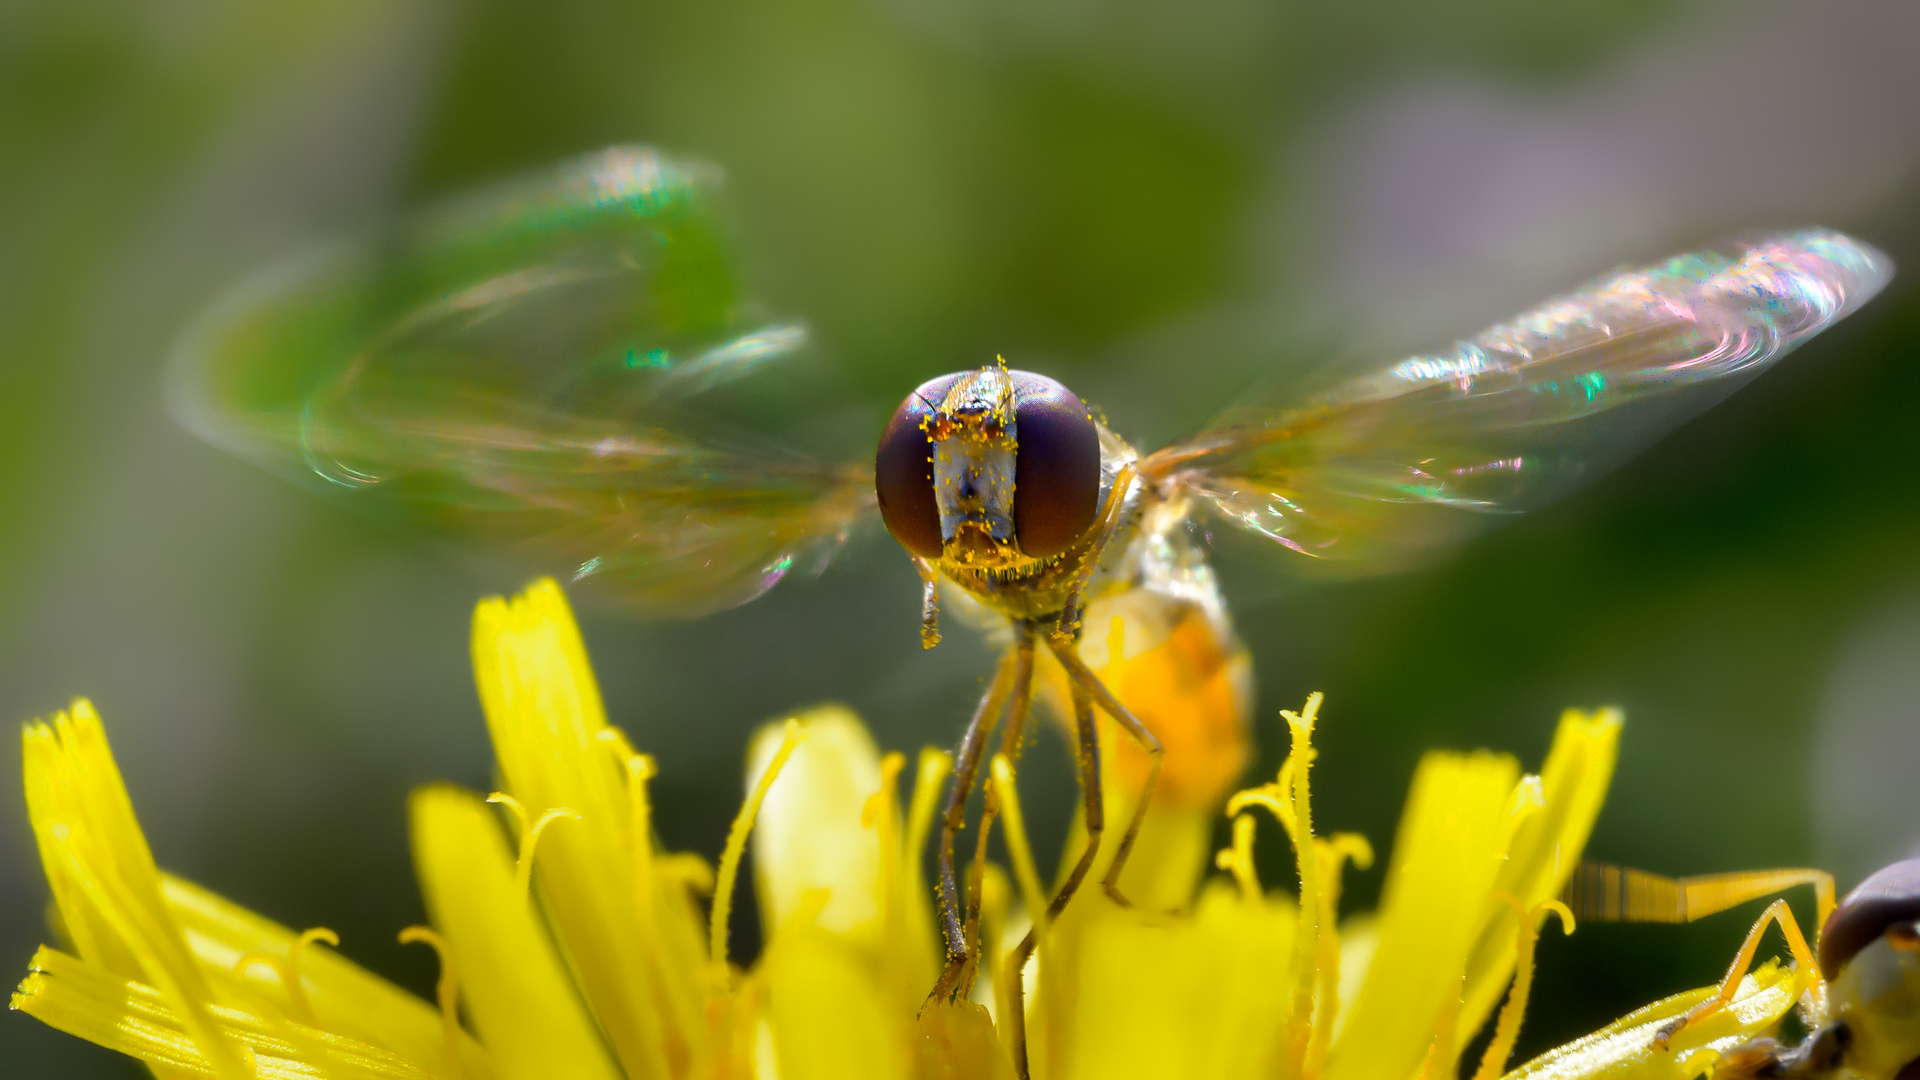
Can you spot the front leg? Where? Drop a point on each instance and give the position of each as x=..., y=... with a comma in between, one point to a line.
x=929, y=602
x=958, y=972
x=1086, y=752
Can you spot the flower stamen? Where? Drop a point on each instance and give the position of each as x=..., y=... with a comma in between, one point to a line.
x=1307, y=943
x=735, y=850
x=445, y=991
x=1506, y=1030
x=1289, y=799
x=639, y=768
x=529, y=836
x=689, y=869
x=1333, y=854
x=297, y=990
x=1238, y=859
x=288, y=971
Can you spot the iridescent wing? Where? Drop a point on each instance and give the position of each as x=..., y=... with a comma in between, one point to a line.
x=1381, y=468
x=536, y=365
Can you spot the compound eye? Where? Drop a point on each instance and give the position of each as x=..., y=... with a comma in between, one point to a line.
x=1056, y=470
x=903, y=470
x=1888, y=898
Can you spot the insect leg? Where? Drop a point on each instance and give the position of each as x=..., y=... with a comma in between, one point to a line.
x=1087, y=753
x=1602, y=892
x=929, y=603
x=1085, y=680
x=1779, y=912
x=1022, y=699
x=966, y=768
x=1067, y=623
x=1010, y=736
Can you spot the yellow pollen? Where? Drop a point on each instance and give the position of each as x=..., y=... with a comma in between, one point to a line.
x=736, y=849
x=445, y=991
x=1506, y=1030
x=529, y=835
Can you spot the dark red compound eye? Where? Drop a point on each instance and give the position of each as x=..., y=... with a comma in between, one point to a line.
x=903, y=470
x=1056, y=471
x=1888, y=897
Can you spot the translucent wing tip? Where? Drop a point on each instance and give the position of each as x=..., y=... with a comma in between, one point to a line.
x=1831, y=272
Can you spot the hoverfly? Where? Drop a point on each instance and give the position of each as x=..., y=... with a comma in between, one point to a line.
x=531, y=362
x=1862, y=1005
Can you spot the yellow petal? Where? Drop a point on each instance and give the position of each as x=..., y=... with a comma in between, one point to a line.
x=346, y=999
x=810, y=835
x=104, y=880
x=1359, y=941
x=1446, y=856
x=517, y=993
x=543, y=711
x=1545, y=848
x=957, y=1042
x=910, y=953
x=830, y=1017
x=86, y=1000
x=1624, y=1050
x=1188, y=996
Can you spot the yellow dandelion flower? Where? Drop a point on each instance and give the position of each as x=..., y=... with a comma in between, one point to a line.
x=571, y=945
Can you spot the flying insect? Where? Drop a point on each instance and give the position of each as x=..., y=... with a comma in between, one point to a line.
x=530, y=364
x=1861, y=1007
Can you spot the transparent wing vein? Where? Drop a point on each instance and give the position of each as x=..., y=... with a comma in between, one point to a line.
x=1385, y=466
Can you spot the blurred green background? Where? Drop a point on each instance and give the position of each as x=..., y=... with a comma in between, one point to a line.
x=1147, y=200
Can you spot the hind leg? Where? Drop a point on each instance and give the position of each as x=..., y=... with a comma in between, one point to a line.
x=1742, y=961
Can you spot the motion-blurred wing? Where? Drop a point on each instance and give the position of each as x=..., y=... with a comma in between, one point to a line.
x=534, y=365
x=1382, y=467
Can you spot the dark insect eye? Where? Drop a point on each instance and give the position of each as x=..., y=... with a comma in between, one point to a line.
x=1888, y=897
x=1056, y=470
x=903, y=470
